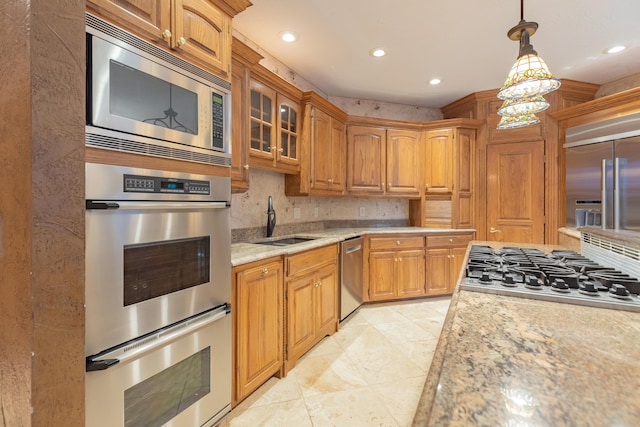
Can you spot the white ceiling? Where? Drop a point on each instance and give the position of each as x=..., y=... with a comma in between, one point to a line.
x=462, y=42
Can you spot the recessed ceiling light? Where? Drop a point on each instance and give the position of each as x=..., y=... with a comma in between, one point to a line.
x=377, y=52
x=434, y=81
x=615, y=49
x=288, y=36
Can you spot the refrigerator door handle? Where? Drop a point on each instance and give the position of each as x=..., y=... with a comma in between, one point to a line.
x=604, y=193
x=616, y=192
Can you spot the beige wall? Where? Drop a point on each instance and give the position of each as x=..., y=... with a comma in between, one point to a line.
x=619, y=85
x=249, y=210
x=42, y=213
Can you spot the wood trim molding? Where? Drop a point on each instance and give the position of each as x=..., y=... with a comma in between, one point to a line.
x=232, y=7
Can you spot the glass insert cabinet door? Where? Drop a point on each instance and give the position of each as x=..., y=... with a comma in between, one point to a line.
x=275, y=125
x=288, y=125
x=263, y=120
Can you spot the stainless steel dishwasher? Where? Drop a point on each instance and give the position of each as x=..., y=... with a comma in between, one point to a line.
x=350, y=276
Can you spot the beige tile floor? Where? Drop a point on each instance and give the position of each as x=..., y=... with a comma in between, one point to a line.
x=369, y=373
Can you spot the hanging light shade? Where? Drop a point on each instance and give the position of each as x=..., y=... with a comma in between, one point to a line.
x=511, y=122
x=525, y=106
x=530, y=75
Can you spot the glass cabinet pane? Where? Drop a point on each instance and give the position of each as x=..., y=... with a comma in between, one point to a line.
x=261, y=125
x=288, y=131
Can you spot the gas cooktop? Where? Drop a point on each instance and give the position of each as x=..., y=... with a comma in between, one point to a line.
x=559, y=276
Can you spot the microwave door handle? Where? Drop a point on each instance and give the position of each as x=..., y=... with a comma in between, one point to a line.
x=125, y=205
x=159, y=340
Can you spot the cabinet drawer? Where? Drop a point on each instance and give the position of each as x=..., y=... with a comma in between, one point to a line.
x=310, y=260
x=402, y=242
x=449, y=240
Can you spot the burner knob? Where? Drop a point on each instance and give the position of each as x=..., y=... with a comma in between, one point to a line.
x=589, y=287
x=509, y=279
x=618, y=289
x=533, y=281
x=560, y=284
x=485, y=277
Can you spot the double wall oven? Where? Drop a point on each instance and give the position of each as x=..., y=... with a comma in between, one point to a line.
x=158, y=324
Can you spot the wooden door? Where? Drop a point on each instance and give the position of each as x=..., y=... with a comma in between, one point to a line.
x=147, y=18
x=202, y=32
x=403, y=162
x=326, y=302
x=410, y=276
x=300, y=319
x=239, y=107
x=439, y=157
x=366, y=168
x=515, y=192
x=258, y=332
x=438, y=271
x=382, y=275
x=320, y=150
x=457, y=257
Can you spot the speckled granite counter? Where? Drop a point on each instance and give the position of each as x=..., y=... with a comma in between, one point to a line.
x=506, y=361
x=242, y=253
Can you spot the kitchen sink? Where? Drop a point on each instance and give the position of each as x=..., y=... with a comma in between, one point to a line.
x=286, y=241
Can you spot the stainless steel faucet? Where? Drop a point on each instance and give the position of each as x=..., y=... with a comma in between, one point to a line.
x=271, y=218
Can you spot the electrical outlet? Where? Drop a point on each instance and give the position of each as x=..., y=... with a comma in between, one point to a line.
x=315, y=212
x=296, y=213
x=361, y=210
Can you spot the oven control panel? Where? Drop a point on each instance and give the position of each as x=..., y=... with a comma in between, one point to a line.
x=154, y=184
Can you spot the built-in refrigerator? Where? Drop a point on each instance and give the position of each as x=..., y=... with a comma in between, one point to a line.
x=603, y=175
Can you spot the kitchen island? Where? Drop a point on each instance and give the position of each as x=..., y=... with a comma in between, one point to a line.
x=508, y=361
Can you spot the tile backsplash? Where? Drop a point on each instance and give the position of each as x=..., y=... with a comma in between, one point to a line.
x=299, y=214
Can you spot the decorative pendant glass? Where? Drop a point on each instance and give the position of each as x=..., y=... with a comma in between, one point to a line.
x=525, y=106
x=511, y=122
x=528, y=77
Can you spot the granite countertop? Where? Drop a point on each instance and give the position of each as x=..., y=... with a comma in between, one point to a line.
x=506, y=361
x=242, y=253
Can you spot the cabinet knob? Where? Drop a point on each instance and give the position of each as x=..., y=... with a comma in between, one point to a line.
x=265, y=270
x=398, y=242
x=274, y=148
x=400, y=259
x=245, y=167
x=280, y=150
x=166, y=34
x=181, y=41
x=330, y=181
x=450, y=240
x=493, y=230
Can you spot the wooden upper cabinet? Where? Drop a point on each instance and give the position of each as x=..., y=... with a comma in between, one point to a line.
x=439, y=159
x=202, y=33
x=198, y=30
x=383, y=161
x=322, y=150
x=366, y=159
x=147, y=18
x=243, y=59
x=275, y=123
x=404, y=165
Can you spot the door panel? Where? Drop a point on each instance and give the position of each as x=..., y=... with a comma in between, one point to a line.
x=410, y=273
x=515, y=192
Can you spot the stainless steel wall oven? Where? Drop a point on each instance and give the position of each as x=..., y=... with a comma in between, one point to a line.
x=158, y=284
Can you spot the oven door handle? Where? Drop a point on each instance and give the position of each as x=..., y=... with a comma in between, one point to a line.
x=158, y=339
x=124, y=205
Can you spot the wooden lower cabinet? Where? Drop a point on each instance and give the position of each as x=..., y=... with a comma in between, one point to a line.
x=311, y=299
x=258, y=324
x=396, y=267
x=445, y=255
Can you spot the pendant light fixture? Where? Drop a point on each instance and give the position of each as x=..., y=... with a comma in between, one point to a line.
x=530, y=75
x=521, y=112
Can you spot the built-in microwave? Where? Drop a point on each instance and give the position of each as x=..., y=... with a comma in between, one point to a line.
x=145, y=100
